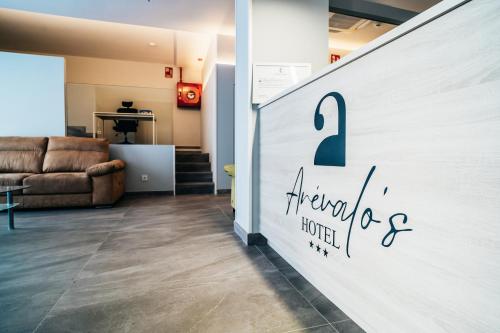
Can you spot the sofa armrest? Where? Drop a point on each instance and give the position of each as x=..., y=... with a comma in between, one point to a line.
x=107, y=189
x=105, y=168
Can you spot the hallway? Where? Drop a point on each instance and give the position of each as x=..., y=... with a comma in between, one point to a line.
x=151, y=264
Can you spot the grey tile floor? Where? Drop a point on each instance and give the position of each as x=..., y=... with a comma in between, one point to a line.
x=151, y=264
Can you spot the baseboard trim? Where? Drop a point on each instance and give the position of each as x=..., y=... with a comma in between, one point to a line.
x=224, y=191
x=149, y=192
x=187, y=147
x=257, y=239
x=103, y=206
x=249, y=238
x=242, y=234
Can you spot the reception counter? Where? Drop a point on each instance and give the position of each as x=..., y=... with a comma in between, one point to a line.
x=380, y=176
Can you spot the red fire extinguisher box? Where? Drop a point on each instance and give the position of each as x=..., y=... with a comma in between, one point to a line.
x=189, y=95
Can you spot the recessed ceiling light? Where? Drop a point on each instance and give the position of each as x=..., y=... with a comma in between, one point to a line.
x=152, y=44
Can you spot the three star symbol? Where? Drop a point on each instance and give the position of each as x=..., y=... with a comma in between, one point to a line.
x=318, y=249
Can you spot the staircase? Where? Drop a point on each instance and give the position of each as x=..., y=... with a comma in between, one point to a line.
x=79, y=131
x=192, y=172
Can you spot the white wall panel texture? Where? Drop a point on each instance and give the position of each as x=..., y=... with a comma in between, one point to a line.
x=424, y=111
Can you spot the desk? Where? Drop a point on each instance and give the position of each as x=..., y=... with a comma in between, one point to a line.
x=124, y=116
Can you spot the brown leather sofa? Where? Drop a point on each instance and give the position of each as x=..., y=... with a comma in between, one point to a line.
x=62, y=171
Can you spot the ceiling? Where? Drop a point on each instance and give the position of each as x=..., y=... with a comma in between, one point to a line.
x=348, y=33
x=116, y=29
x=202, y=16
x=411, y=5
x=120, y=29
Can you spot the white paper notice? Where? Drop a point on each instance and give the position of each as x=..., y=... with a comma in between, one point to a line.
x=270, y=79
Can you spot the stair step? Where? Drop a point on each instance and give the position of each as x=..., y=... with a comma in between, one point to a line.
x=201, y=176
x=78, y=131
x=192, y=166
x=187, y=152
x=192, y=157
x=194, y=188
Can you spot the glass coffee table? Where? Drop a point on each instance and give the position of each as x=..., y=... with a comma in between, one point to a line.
x=9, y=206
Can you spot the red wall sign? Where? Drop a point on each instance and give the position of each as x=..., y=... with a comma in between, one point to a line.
x=169, y=72
x=334, y=57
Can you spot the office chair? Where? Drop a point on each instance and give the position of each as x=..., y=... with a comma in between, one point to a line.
x=126, y=126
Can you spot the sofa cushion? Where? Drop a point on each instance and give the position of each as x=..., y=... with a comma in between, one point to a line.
x=22, y=154
x=71, y=154
x=58, y=183
x=13, y=179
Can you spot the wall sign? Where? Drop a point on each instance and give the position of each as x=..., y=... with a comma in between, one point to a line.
x=334, y=58
x=270, y=79
x=331, y=152
x=379, y=181
x=169, y=72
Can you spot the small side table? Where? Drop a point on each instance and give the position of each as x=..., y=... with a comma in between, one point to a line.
x=9, y=206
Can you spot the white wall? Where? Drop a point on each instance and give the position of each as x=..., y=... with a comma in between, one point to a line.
x=268, y=31
x=290, y=31
x=217, y=139
x=157, y=162
x=80, y=105
x=31, y=95
x=225, y=123
x=83, y=99
x=429, y=122
x=225, y=49
x=209, y=120
x=96, y=71
x=209, y=107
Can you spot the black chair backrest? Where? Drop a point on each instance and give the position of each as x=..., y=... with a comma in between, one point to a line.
x=126, y=126
x=127, y=110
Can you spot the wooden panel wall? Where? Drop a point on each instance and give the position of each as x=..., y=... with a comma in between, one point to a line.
x=423, y=139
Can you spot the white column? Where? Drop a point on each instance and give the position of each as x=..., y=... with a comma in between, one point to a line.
x=282, y=31
x=244, y=125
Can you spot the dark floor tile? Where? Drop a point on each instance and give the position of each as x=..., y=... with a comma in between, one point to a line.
x=189, y=262
x=24, y=305
x=198, y=222
x=316, y=329
x=328, y=309
x=55, y=215
x=70, y=224
x=226, y=305
x=348, y=326
x=35, y=270
x=152, y=263
x=305, y=287
x=274, y=257
x=191, y=210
